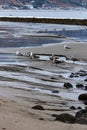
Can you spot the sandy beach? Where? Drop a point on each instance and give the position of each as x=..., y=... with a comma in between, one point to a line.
x=78, y=49
x=13, y=116
x=16, y=116
x=16, y=104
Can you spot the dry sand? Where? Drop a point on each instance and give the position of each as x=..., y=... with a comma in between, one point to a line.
x=18, y=115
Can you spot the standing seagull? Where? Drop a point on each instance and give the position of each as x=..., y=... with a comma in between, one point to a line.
x=33, y=55
x=18, y=53
x=66, y=47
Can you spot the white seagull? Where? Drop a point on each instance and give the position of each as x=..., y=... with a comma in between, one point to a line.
x=66, y=47
x=33, y=55
x=18, y=53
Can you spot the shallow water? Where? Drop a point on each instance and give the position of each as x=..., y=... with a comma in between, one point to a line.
x=76, y=34
x=27, y=42
x=16, y=70
x=36, y=34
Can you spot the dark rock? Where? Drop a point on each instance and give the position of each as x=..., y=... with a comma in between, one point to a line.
x=80, y=113
x=80, y=117
x=79, y=108
x=82, y=71
x=85, y=102
x=58, y=61
x=68, y=85
x=71, y=76
x=60, y=76
x=74, y=75
x=82, y=74
x=41, y=119
x=64, y=103
x=38, y=107
x=83, y=97
x=85, y=87
x=55, y=91
x=73, y=108
x=79, y=85
x=67, y=118
x=54, y=115
x=52, y=77
x=74, y=59
x=85, y=80
x=3, y=128
x=82, y=120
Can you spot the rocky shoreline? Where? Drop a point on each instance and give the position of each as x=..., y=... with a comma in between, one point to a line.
x=52, y=91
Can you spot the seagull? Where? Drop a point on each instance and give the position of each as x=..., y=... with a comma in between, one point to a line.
x=33, y=55
x=18, y=53
x=66, y=47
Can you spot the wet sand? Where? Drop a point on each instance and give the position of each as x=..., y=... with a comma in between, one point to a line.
x=78, y=49
x=29, y=82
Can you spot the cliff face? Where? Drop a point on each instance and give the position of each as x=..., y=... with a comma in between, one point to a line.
x=46, y=3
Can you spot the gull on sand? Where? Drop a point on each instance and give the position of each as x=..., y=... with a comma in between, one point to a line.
x=18, y=53
x=66, y=47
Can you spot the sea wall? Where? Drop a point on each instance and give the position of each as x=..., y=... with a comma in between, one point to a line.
x=46, y=20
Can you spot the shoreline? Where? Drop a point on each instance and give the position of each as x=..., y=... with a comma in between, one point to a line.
x=78, y=49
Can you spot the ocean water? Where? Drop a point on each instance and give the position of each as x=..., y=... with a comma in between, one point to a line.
x=71, y=14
